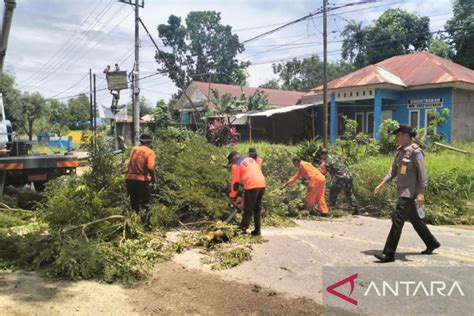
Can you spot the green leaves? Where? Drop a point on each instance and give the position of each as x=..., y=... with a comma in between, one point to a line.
x=395, y=32
x=203, y=49
x=303, y=75
x=461, y=30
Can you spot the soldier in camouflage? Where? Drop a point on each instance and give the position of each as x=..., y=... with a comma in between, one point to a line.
x=341, y=179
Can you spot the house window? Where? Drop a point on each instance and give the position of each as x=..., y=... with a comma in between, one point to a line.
x=369, y=130
x=344, y=94
x=359, y=117
x=414, y=118
x=363, y=93
x=357, y=93
x=340, y=125
x=338, y=95
x=351, y=94
x=370, y=92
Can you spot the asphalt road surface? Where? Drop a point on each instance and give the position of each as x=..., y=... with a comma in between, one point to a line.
x=293, y=260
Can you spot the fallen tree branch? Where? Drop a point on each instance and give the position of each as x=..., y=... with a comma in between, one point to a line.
x=85, y=225
x=452, y=148
x=9, y=209
x=195, y=223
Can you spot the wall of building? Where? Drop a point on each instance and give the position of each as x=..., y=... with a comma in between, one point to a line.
x=463, y=115
x=401, y=112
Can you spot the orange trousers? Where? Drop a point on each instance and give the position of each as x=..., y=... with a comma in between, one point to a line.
x=316, y=194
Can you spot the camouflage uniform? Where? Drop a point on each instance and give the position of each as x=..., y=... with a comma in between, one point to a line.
x=341, y=181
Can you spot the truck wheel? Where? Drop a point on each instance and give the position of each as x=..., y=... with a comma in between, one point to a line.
x=39, y=185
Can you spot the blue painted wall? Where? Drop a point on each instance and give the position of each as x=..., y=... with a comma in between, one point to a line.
x=401, y=111
x=399, y=104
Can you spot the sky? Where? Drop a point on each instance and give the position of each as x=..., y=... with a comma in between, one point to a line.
x=54, y=43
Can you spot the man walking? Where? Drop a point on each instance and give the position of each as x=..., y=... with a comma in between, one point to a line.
x=409, y=169
x=316, y=184
x=253, y=154
x=141, y=172
x=341, y=179
x=246, y=170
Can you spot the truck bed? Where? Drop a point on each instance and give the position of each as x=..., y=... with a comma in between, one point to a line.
x=35, y=162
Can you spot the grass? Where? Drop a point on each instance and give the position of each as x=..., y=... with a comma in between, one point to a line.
x=450, y=190
x=261, y=147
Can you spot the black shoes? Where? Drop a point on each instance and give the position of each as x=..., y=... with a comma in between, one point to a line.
x=384, y=258
x=255, y=233
x=429, y=250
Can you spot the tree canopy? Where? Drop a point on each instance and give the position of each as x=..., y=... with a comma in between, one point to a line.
x=395, y=32
x=303, y=75
x=461, y=30
x=201, y=49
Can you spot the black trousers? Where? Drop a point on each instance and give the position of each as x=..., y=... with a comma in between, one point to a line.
x=406, y=209
x=139, y=192
x=252, y=206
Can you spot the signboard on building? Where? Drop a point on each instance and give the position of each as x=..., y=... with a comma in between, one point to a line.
x=426, y=103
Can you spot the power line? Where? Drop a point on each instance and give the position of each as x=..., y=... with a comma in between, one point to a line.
x=68, y=59
x=67, y=45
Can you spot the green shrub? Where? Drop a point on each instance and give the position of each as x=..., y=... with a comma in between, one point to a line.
x=387, y=142
x=450, y=187
x=194, y=178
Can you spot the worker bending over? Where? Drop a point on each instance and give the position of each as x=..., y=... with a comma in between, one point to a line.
x=316, y=184
x=245, y=170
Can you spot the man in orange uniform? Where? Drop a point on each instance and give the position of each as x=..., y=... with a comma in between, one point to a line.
x=253, y=154
x=245, y=170
x=316, y=184
x=141, y=171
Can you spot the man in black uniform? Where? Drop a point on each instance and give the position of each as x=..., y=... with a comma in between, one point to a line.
x=410, y=170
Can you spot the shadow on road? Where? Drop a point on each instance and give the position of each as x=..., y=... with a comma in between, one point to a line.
x=401, y=256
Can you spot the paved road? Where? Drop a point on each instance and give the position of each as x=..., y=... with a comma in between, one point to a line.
x=292, y=260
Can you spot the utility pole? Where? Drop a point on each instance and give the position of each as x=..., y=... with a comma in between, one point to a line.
x=90, y=99
x=325, y=79
x=136, y=70
x=94, y=120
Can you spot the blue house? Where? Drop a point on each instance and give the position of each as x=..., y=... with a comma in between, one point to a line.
x=403, y=88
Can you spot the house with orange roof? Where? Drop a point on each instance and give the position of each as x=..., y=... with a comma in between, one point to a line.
x=404, y=88
x=201, y=94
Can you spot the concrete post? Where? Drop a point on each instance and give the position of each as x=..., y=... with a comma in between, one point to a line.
x=333, y=125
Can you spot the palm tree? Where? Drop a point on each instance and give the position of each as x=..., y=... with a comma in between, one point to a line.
x=354, y=44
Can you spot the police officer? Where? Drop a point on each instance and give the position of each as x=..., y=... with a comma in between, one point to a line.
x=245, y=170
x=409, y=169
x=141, y=172
x=341, y=179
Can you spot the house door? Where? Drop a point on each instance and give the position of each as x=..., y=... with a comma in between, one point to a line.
x=370, y=124
x=359, y=117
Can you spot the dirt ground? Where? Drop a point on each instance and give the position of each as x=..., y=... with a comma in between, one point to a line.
x=173, y=289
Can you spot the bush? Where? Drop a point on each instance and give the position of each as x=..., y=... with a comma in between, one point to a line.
x=308, y=150
x=193, y=179
x=221, y=133
x=387, y=142
x=449, y=190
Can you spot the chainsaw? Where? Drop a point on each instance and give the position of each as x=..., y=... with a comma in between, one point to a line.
x=237, y=206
